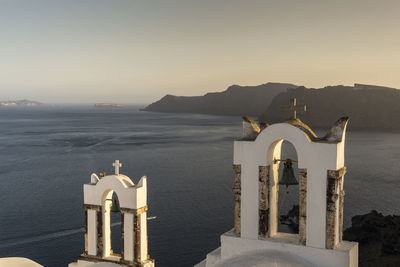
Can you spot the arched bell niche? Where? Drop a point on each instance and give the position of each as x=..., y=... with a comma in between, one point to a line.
x=256, y=186
x=112, y=225
x=320, y=194
x=288, y=196
x=276, y=199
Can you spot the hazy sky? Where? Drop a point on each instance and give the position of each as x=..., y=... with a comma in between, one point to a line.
x=137, y=51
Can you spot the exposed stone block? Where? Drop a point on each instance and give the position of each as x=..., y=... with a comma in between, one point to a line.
x=333, y=194
x=92, y=207
x=341, y=206
x=122, y=235
x=302, y=206
x=302, y=230
x=86, y=232
x=136, y=230
x=263, y=206
x=135, y=211
x=237, y=198
x=99, y=234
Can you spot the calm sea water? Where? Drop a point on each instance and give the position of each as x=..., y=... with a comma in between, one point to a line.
x=47, y=154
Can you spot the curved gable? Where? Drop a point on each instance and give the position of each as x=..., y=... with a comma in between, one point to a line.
x=122, y=185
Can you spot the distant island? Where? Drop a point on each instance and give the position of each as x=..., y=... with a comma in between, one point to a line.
x=108, y=105
x=20, y=103
x=369, y=106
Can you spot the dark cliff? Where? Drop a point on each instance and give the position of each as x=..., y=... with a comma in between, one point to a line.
x=369, y=107
x=378, y=237
x=236, y=100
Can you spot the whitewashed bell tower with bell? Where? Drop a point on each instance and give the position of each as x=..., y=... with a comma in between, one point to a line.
x=255, y=235
x=133, y=206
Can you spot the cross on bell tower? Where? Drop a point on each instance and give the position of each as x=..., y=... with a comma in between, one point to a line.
x=116, y=164
x=294, y=108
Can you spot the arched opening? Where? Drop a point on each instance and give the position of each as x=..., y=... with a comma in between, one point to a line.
x=288, y=195
x=112, y=232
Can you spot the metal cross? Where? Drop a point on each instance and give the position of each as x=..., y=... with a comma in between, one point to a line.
x=294, y=107
x=116, y=164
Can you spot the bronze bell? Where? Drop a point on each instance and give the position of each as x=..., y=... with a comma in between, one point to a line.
x=288, y=177
x=115, y=205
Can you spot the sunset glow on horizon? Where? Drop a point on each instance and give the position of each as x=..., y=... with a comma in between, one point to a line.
x=138, y=51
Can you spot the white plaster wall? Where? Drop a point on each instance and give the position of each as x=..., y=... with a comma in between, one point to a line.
x=273, y=196
x=316, y=207
x=142, y=192
x=346, y=255
x=82, y=263
x=125, y=190
x=128, y=237
x=249, y=198
x=107, y=227
x=18, y=262
x=143, y=236
x=213, y=257
x=92, y=232
x=316, y=157
x=129, y=195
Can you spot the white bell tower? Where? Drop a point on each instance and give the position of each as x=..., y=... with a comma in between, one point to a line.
x=133, y=206
x=255, y=236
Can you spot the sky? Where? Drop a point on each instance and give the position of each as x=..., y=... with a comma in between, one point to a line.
x=89, y=51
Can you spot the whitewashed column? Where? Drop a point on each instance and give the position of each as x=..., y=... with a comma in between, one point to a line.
x=143, y=236
x=91, y=231
x=128, y=236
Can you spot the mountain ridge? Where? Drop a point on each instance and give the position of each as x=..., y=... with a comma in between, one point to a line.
x=368, y=106
x=235, y=100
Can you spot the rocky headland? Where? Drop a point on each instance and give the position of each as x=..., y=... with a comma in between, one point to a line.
x=378, y=236
x=236, y=100
x=368, y=106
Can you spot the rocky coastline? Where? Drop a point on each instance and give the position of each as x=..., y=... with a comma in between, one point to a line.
x=378, y=236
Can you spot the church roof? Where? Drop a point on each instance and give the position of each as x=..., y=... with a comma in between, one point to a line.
x=265, y=258
x=304, y=127
x=251, y=130
x=18, y=262
x=334, y=135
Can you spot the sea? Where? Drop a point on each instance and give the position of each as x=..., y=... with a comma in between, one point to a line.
x=48, y=153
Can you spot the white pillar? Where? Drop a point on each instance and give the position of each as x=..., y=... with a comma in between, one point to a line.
x=249, y=201
x=273, y=199
x=128, y=236
x=92, y=232
x=106, y=228
x=143, y=236
x=316, y=207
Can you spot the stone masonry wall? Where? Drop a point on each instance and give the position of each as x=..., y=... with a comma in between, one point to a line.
x=302, y=206
x=332, y=196
x=237, y=196
x=263, y=204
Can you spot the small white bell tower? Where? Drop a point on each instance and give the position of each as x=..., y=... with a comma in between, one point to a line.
x=133, y=206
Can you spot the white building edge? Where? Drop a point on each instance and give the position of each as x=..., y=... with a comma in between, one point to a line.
x=255, y=240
